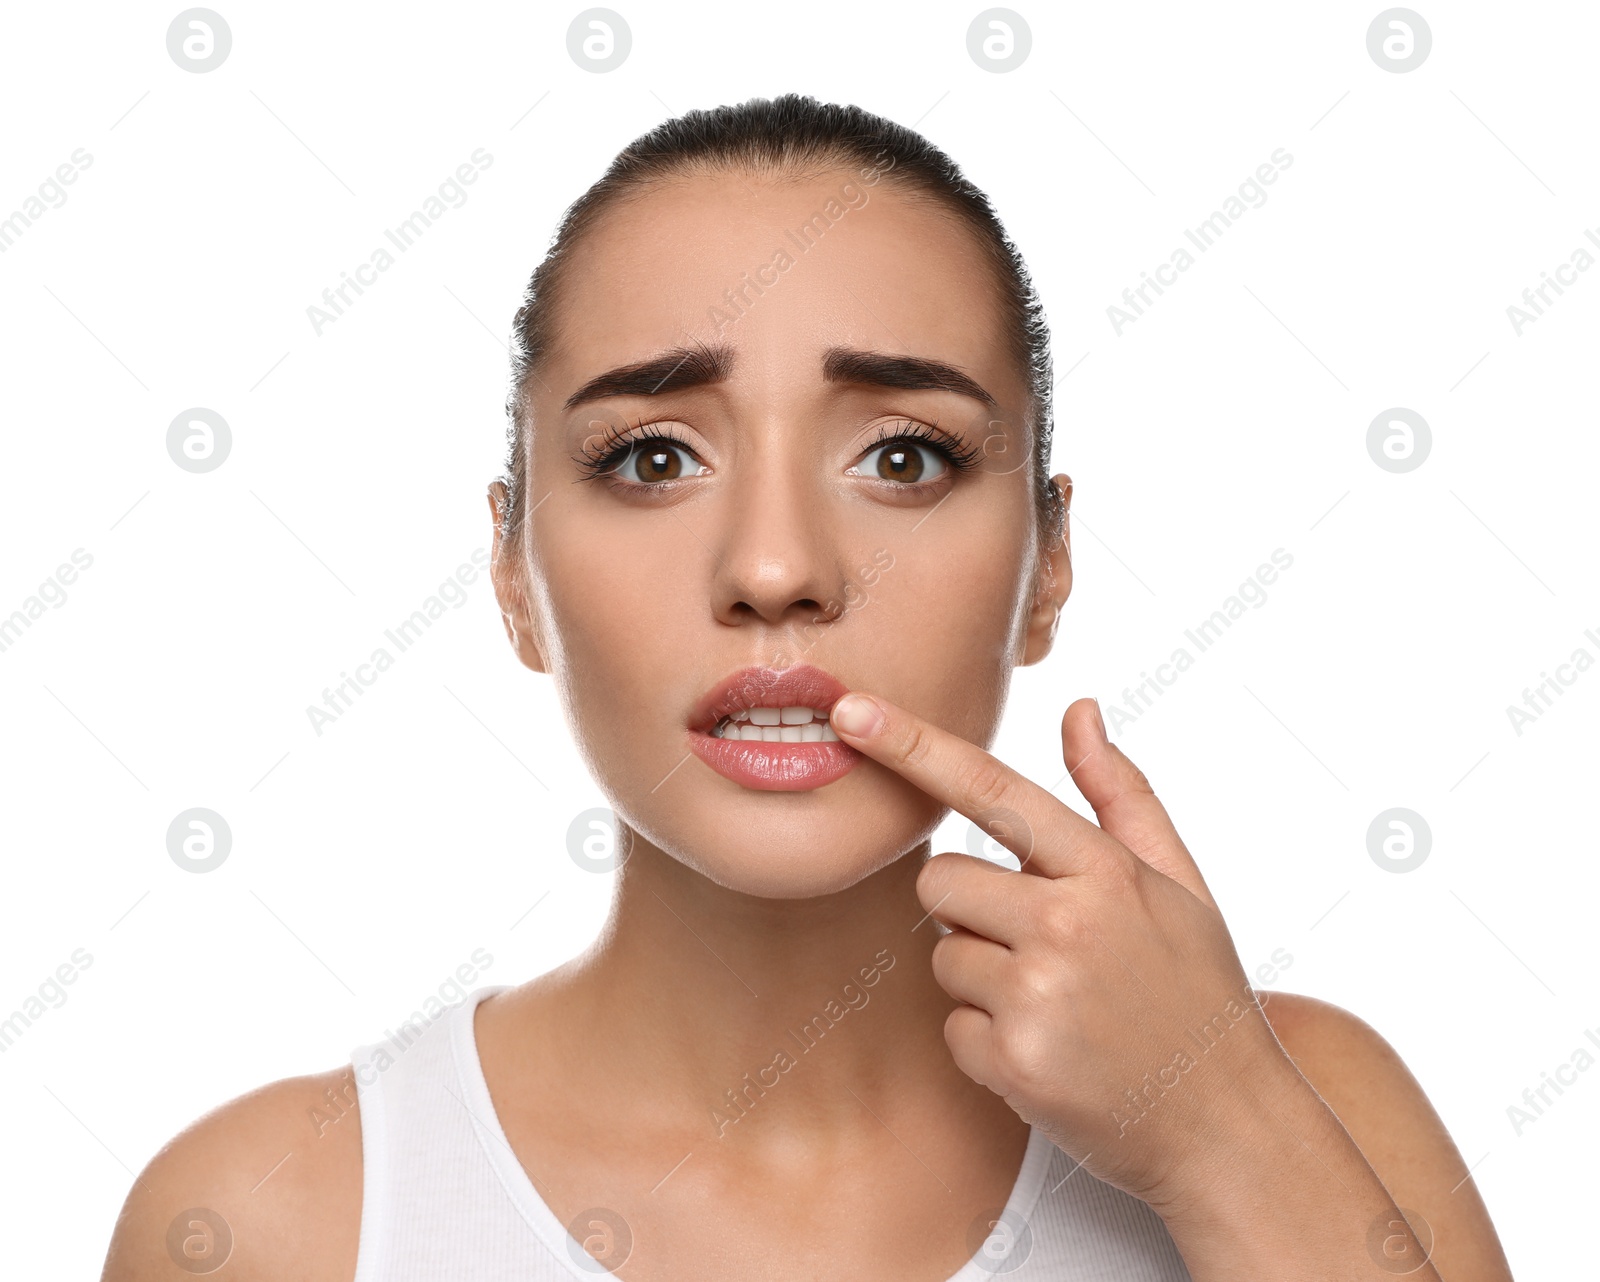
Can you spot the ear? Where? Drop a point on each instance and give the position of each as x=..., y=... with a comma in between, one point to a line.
x=1053, y=583
x=506, y=567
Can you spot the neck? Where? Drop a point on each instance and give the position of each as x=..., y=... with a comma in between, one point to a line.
x=767, y=1020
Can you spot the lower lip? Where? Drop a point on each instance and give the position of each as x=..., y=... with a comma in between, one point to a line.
x=774, y=767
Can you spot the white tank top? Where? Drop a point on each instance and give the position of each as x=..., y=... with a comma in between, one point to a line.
x=444, y=1197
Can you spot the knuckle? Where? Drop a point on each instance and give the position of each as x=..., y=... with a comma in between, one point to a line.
x=1038, y=984
x=1130, y=778
x=988, y=784
x=1021, y=1052
x=1057, y=921
x=915, y=744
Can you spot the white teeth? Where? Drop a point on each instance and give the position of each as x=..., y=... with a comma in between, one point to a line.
x=778, y=725
x=790, y=716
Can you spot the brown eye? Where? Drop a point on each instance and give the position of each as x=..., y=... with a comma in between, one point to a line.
x=904, y=461
x=651, y=461
x=660, y=464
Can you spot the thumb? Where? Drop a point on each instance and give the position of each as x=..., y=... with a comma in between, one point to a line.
x=1123, y=800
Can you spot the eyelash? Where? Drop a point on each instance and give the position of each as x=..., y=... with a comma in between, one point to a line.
x=598, y=460
x=961, y=458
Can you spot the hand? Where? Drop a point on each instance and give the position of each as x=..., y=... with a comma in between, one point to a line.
x=1102, y=994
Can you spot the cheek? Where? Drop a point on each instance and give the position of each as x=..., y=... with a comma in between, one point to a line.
x=945, y=619
x=613, y=620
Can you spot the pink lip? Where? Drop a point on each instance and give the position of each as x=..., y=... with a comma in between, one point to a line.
x=773, y=767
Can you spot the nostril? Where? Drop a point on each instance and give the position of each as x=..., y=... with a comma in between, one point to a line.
x=831, y=611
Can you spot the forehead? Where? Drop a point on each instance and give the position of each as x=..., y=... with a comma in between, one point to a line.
x=781, y=271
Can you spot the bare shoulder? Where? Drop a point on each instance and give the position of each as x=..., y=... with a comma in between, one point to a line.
x=272, y=1179
x=1389, y=1116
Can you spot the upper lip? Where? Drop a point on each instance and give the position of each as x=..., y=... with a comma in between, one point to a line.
x=800, y=686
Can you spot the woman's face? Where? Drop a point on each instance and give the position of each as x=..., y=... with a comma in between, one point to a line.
x=777, y=532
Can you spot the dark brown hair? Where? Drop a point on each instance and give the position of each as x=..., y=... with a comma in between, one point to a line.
x=787, y=136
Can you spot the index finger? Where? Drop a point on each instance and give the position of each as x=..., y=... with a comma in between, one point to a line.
x=1052, y=839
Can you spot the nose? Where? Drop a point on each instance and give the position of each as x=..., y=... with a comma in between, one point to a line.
x=778, y=560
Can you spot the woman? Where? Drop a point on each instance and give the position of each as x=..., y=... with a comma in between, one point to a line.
x=780, y=430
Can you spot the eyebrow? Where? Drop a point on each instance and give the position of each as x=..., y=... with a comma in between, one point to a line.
x=684, y=367
x=671, y=370
x=910, y=373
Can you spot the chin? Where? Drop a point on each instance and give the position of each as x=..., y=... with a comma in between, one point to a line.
x=815, y=851
x=795, y=875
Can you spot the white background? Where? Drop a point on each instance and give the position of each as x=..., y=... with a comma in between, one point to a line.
x=1230, y=420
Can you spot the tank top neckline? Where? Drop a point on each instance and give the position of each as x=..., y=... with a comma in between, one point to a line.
x=542, y=1220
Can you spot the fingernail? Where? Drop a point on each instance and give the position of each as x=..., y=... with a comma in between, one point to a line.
x=1100, y=721
x=857, y=716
